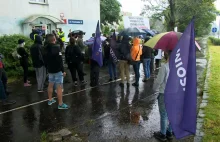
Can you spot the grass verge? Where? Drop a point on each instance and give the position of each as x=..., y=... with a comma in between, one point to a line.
x=212, y=114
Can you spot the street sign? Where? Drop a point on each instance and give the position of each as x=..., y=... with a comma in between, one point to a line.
x=214, y=30
x=70, y=21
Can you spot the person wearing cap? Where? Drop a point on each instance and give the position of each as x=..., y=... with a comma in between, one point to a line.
x=38, y=62
x=23, y=61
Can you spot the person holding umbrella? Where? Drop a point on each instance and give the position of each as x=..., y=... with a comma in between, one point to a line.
x=136, y=52
x=159, y=86
x=124, y=52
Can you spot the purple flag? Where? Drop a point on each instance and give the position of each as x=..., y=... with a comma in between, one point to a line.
x=97, y=47
x=113, y=47
x=181, y=89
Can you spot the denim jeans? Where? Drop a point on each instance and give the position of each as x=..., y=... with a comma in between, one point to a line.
x=146, y=66
x=136, y=68
x=112, y=69
x=164, y=126
x=2, y=91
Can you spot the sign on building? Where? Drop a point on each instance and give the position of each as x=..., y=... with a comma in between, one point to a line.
x=70, y=21
x=139, y=22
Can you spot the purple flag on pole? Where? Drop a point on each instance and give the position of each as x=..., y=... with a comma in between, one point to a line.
x=181, y=89
x=97, y=47
x=113, y=47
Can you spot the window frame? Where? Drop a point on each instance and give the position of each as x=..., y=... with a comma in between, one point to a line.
x=42, y=3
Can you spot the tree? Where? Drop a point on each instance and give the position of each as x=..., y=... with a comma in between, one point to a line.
x=179, y=12
x=203, y=10
x=110, y=11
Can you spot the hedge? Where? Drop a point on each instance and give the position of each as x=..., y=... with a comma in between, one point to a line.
x=8, y=44
x=215, y=41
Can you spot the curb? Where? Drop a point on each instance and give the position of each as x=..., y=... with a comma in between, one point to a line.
x=200, y=117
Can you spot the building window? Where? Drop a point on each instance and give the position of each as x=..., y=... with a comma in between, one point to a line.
x=38, y=1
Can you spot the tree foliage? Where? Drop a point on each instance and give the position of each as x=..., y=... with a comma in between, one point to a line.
x=180, y=12
x=110, y=11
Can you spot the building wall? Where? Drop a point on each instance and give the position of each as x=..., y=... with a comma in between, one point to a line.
x=14, y=12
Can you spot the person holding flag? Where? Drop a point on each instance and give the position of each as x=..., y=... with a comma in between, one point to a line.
x=159, y=85
x=110, y=48
x=96, y=57
x=177, y=86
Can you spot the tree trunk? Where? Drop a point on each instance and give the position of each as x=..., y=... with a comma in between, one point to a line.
x=172, y=21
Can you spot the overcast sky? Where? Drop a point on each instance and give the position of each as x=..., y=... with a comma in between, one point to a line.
x=135, y=6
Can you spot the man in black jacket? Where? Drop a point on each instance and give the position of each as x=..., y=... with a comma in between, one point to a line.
x=56, y=72
x=38, y=62
x=124, y=55
x=146, y=58
x=74, y=59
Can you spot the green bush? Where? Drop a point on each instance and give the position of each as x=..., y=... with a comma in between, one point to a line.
x=8, y=44
x=215, y=41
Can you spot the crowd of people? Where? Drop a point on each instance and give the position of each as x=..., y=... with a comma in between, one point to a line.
x=47, y=58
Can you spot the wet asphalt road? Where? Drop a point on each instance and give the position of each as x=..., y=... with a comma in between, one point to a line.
x=104, y=113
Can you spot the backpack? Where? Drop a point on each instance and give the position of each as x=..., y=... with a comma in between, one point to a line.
x=15, y=54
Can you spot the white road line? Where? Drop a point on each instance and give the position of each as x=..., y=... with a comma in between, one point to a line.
x=25, y=106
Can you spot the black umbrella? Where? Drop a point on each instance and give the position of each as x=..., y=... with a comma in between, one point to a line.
x=132, y=32
x=78, y=32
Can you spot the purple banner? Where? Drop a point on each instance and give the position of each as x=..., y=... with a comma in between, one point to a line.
x=181, y=89
x=97, y=47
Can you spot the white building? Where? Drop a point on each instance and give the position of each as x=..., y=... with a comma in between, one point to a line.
x=20, y=16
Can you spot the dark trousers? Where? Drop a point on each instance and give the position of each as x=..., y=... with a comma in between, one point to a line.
x=25, y=68
x=152, y=65
x=112, y=69
x=76, y=67
x=4, y=80
x=94, y=73
x=2, y=91
x=136, y=68
x=158, y=63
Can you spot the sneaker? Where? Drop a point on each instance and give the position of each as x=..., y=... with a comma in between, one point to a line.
x=75, y=83
x=28, y=81
x=110, y=80
x=8, y=93
x=63, y=106
x=40, y=91
x=144, y=80
x=115, y=78
x=160, y=136
x=8, y=102
x=169, y=135
x=135, y=85
x=51, y=102
x=128, y=84
x=27, y=85
x=121, y=84
x=83, y=82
